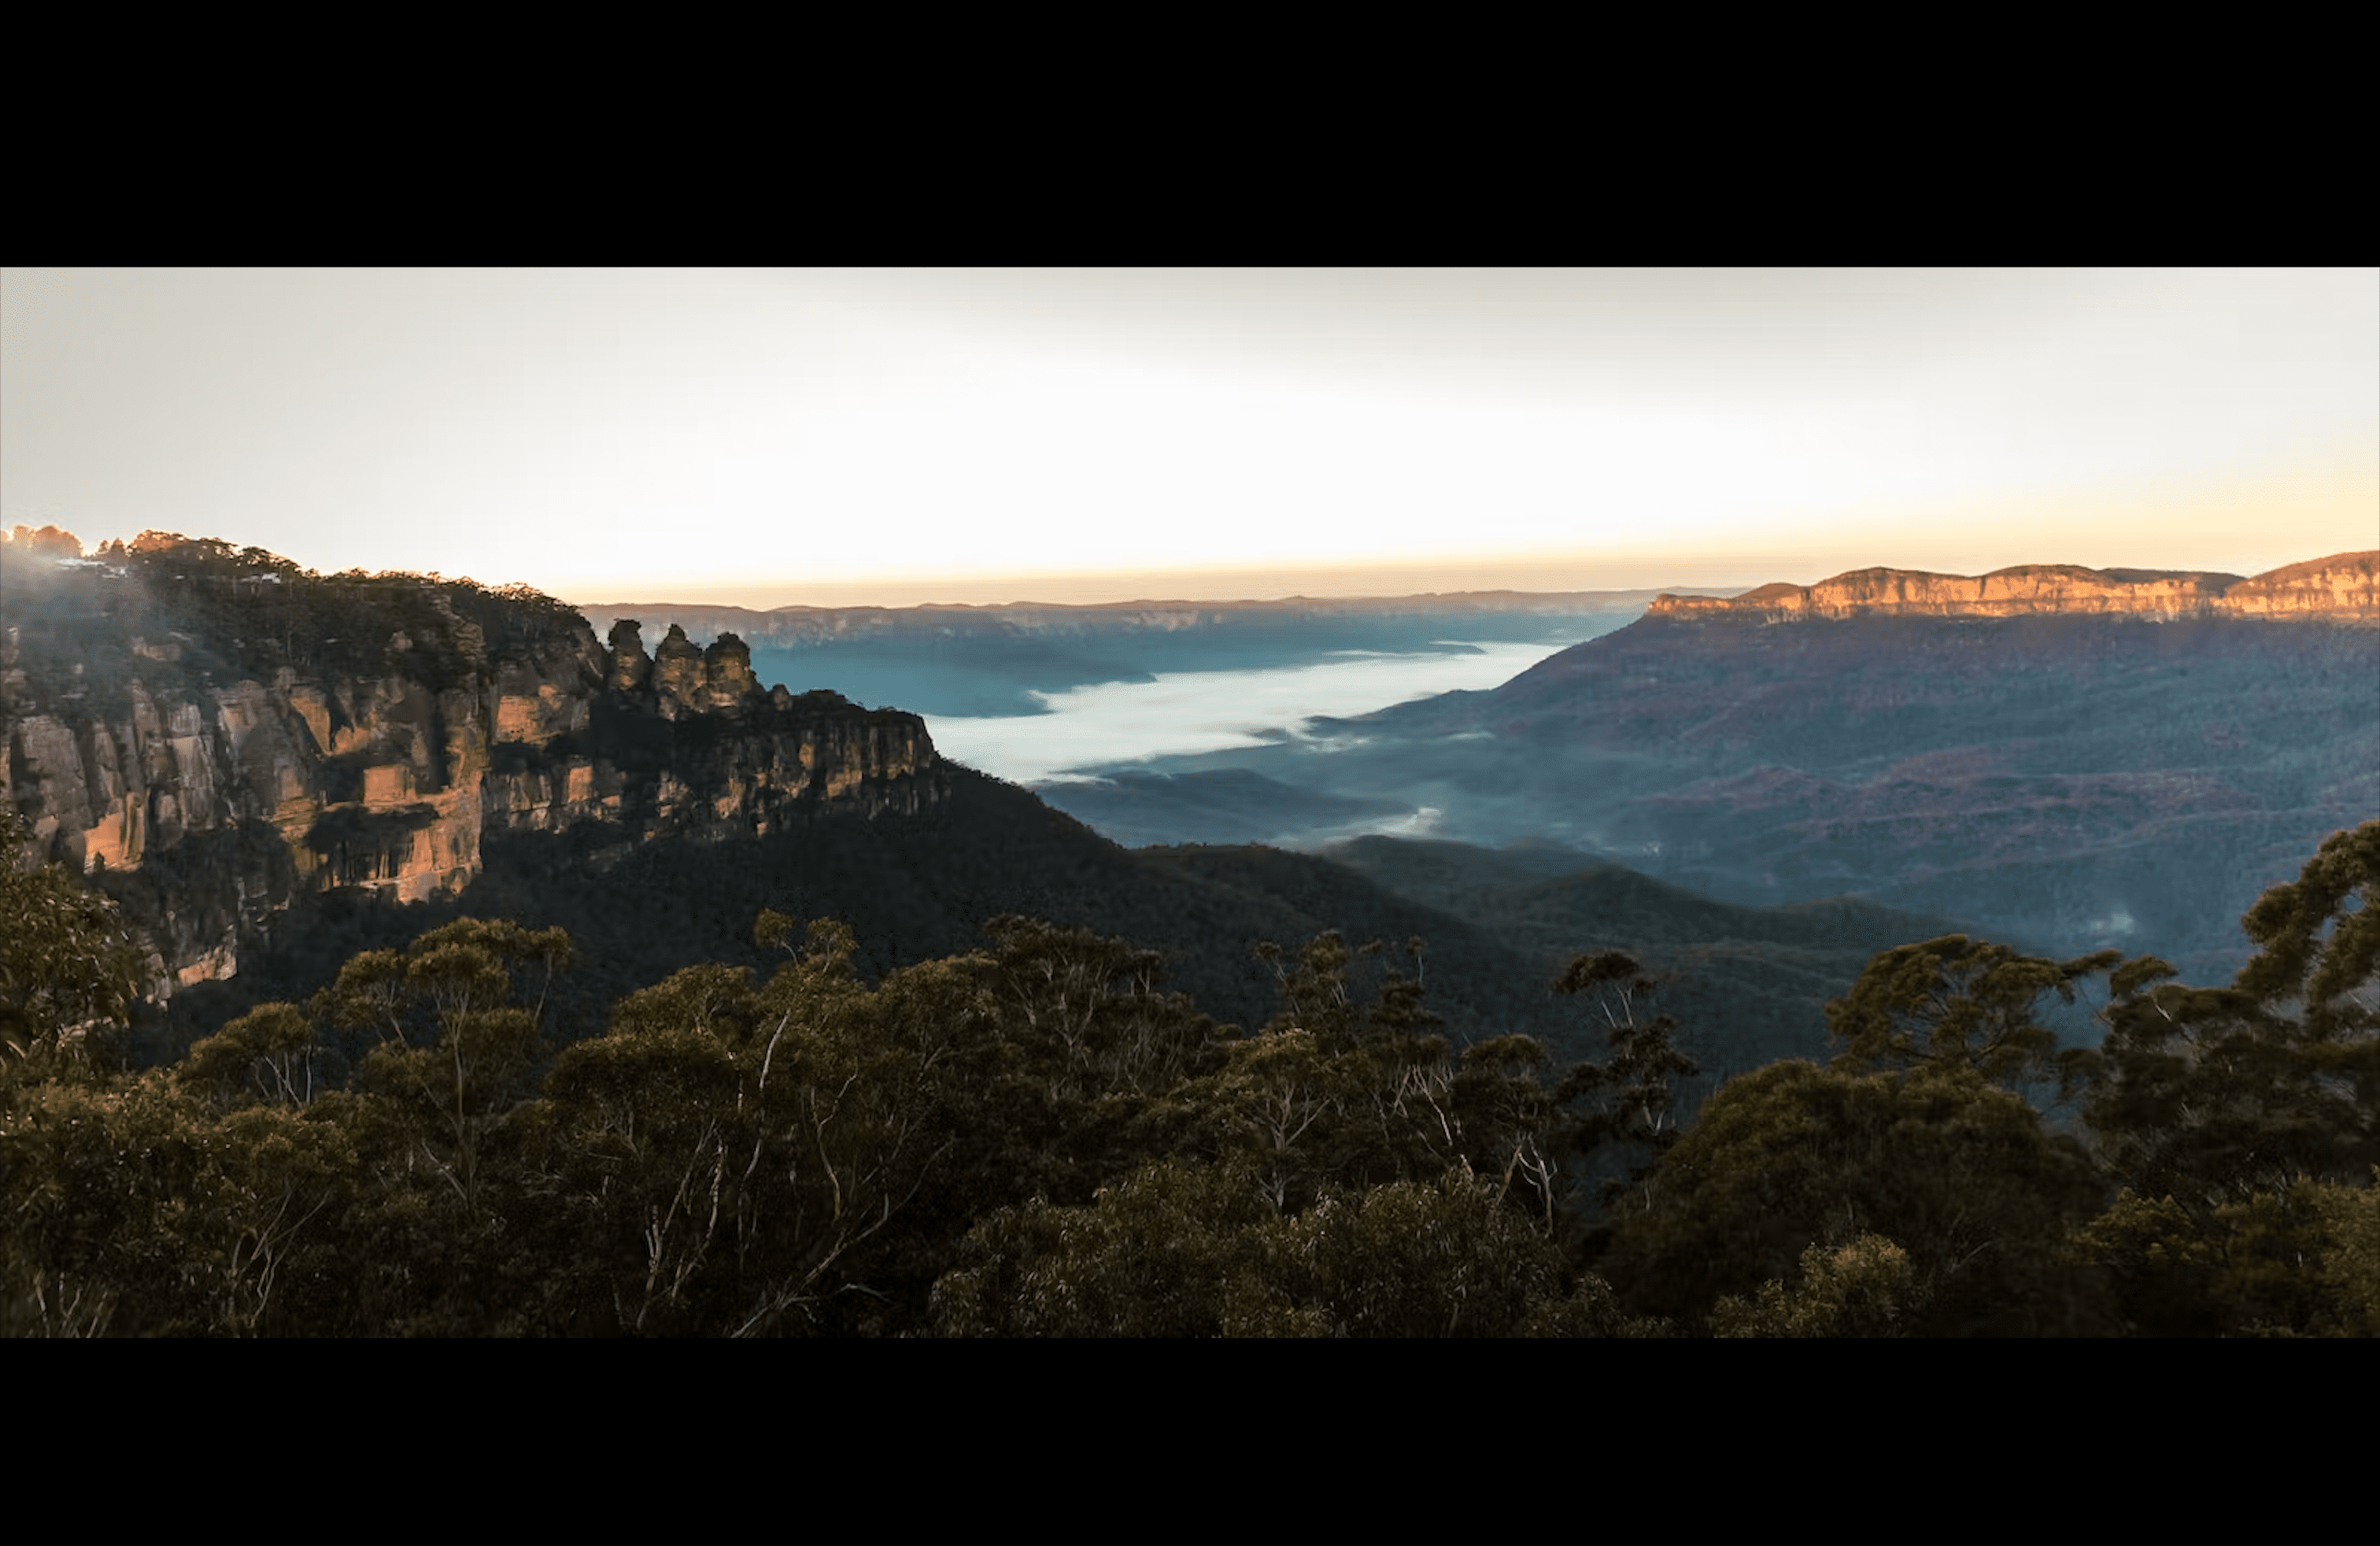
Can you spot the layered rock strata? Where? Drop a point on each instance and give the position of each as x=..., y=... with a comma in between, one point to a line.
x=2343, y=588
x=209, y=808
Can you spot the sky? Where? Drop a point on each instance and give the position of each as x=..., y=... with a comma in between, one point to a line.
x=887, y=437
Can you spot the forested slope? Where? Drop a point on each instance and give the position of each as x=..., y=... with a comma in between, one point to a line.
x=1035, y=1137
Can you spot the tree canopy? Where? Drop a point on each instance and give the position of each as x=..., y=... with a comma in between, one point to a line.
x=1037, y=1136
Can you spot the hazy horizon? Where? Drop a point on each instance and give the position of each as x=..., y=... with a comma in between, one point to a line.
x=1208, y=586
x=892, y=437
x=1729, y=576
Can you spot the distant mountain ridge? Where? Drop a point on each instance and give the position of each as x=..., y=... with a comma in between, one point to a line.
x=980, y=661
x=229, y=737
x=2086, y=758
x=797, y=624
x=2344, y=587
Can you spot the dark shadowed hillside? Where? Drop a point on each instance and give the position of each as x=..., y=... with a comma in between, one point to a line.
x=1749, y=984
x=920, y=887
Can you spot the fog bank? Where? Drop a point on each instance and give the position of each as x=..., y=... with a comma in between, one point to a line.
x=1185, y=712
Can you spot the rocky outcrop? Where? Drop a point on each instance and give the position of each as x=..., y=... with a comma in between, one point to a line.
x=2343, y=588
x=700, y=749
x=2345, y=585
x=209, y=807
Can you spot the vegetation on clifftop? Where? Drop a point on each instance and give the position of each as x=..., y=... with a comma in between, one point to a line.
x=948, y=1084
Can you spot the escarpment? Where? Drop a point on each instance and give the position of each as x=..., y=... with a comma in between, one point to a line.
x=685, y=742
x=2344, y=587
x=196, y=738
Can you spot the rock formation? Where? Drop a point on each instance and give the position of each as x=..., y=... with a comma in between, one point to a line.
x=209, y=805
x=2343, y=588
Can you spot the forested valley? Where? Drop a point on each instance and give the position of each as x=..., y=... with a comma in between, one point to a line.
x=1036, y=1138
x=969, y=1069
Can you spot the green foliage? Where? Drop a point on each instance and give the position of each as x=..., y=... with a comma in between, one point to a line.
x=718, y=1000
x=1592, y=1308
x=1336, y=1174
x=1162, y=1252
x=1441, y=1257
x=770, y=928
x=1089, y=1010
x=1339, y=1090
x=1318, y=998
x=269, y=1054
x=2216, y=1095
x=1036, y=1138
x=2350, y=1266
x=1504, y=1116
x=1628, y=1102
x=1088, y=1045
x=2318, y=938
x=1636, y=1087
x=78, y=1164
x=455, y=1052
x=1956, y=1173
x=138, y=1205
x=1860, y=1289
x=227, y=610
x=1179, y=1249
x=135, y=1209
x=67, y=960
x=1294, y=1113
x=2158, y=1264
x=1956, y=1000
x=2305, y=1262
x=730, y=1161
x=647, y=1137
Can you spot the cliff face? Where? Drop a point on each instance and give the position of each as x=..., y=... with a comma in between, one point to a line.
x=2343, y=588
x=684, y=742
x=209, y=807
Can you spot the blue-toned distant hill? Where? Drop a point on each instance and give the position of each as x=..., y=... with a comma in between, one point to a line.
x=987, y=661
x=2080, y=758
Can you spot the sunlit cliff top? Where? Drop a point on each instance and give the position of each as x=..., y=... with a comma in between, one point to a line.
x=2344, y=587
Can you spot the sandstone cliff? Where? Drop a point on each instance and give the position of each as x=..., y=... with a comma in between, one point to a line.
x=209, y=790
x=2343, y=588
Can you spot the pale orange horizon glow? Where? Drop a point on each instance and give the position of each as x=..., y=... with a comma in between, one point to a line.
x=2244, y=526
x=890, y=438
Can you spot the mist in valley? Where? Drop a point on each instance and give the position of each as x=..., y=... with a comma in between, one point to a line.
x=1107, y=725
x=2069, y=782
